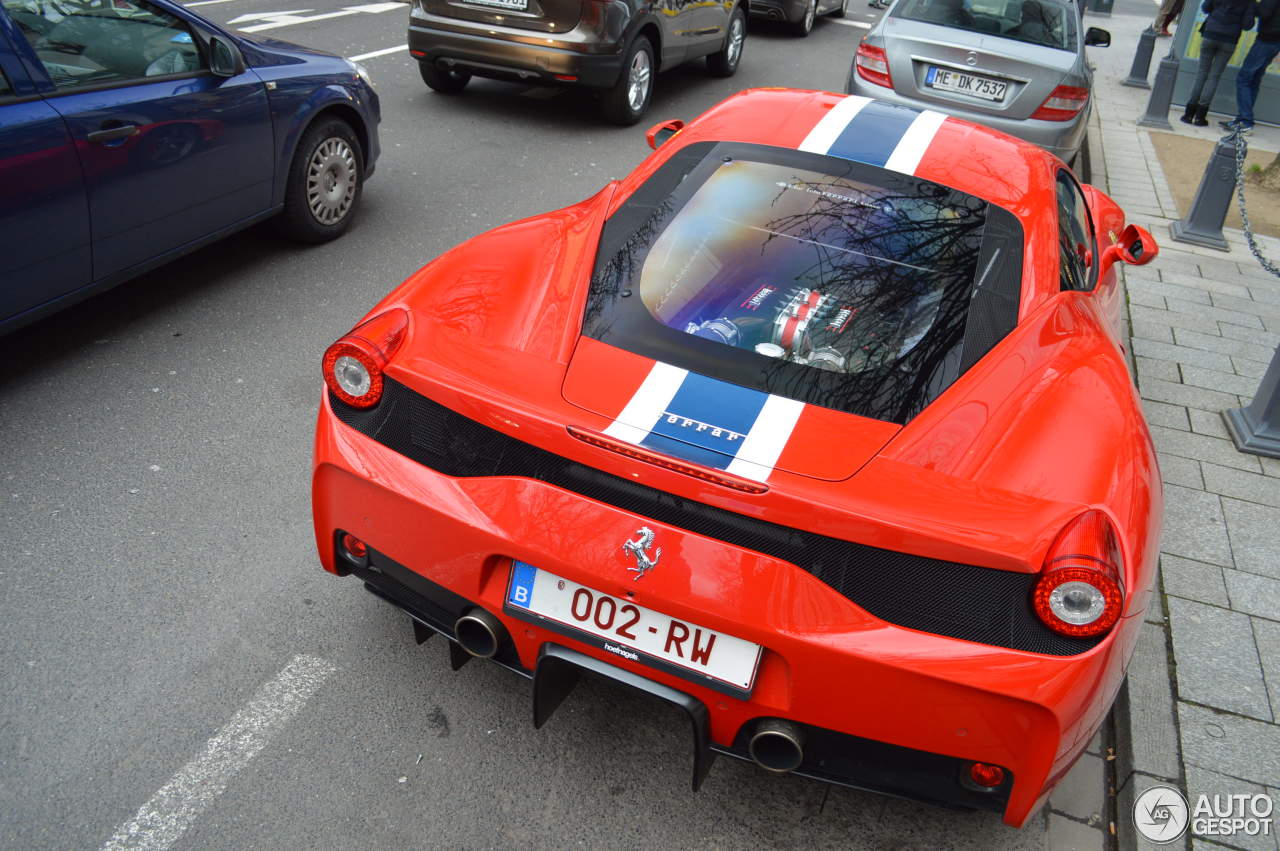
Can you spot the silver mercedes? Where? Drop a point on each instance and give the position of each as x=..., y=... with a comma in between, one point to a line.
x=1015, y=65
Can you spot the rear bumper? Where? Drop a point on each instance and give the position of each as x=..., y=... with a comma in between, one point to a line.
x=509, y=54
x=778, y=10
x=888, y=709
x=1061, y=138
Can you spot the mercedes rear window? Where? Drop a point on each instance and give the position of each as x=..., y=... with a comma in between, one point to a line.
x=821, y=279
x=1044, y=22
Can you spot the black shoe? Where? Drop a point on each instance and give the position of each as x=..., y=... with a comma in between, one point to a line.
x=1201, y=116
x=1188, y=117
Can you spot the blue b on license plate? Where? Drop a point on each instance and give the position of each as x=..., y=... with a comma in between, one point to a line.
x=631, y=631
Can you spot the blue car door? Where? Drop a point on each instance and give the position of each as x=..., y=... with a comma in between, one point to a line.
x=170, y=152
x=44, y=213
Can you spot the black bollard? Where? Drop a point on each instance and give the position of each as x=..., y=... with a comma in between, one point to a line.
x=1203, y=223
x=1142, y=60
x=1256, y=429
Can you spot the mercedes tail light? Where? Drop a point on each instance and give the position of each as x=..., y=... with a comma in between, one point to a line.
x=1080, y=592
x=873, y=65
x=1063, y=104
x=353, y=366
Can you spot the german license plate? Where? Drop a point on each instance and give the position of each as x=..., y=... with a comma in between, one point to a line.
x=511, y=5
x=967, y=84
x=634, y=632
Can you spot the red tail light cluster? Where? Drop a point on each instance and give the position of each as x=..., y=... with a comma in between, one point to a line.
x=986, y=775
x=873, y=65
x=353, y=366
x=1080, y=592
x=1063, y=104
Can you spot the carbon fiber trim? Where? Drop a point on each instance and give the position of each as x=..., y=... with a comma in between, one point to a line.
x=945, y=598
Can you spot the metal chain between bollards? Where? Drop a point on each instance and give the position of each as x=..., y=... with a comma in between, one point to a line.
x=1242, y=148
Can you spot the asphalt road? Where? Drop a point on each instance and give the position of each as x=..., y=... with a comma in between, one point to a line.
x=171, y=647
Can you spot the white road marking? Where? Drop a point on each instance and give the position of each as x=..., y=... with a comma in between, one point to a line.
x=207, y=3
x=386, y=51
x=842, y=21
x=295, y=16
x=179, y=802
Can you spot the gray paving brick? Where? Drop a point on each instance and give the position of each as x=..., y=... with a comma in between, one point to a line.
x=1177, y=470
x=1255, y=536
x=1150, y=368
x=1217, y=659
x=1159, y=288
x=1147, y=299
x=1245, y=305
x=1253, y=594
x=1149, y=330
x=1229, y=744
x=1191, y=322
x=1068, y=835
x=1270, y=466
x=1261, y=293
x=1251, y=487
x=1193, y=580
x=1126, y=832
x=1081, y=793
x=1169, y=416
x=1185, y=394
x=1270, y=339
x=1212, y=379
x=1252, y=368
x=1146, y=738
x=1202, y=781
x=1208, y=422
x=1193, y=526
x=1182, y=354
x=1267, y=635
x=1202, y=447
x=1199, y=282
x=1220, y=314
x=1222, y=345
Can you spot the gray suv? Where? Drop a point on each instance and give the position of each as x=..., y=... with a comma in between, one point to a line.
x=615, y=46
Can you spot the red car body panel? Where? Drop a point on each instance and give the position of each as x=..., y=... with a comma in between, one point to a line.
x=1043, y=427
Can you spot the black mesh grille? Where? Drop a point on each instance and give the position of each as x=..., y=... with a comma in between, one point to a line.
x=941, y=597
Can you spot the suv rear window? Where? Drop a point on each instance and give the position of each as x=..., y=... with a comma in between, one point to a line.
x=829, y=281
x=1043, y=22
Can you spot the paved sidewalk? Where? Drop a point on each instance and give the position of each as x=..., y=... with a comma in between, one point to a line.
x=1201, y=711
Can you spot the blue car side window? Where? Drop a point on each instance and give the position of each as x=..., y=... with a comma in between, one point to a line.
x=94, y=42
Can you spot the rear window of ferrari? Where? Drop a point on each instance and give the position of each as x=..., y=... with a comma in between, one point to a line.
x=817, y=278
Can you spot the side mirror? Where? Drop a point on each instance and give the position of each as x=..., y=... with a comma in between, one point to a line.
x=1135, y=246
x=224, y=60
x=661, y=132
x=1097, y=37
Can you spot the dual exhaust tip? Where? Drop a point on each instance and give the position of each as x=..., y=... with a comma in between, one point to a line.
x=776, y=745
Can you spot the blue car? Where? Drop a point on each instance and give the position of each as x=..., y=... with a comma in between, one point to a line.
x=133, y=131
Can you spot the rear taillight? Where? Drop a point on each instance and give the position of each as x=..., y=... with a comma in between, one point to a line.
x=1063, y=104
x=353, y=366
x=1080, y=592
x=873, y=65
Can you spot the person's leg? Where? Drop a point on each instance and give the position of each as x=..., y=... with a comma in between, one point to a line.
x=1208, y=52
x=1249, y=80
x=1221, y=55
x=1165, y=7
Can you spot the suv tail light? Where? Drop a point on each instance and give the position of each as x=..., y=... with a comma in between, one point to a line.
x=353, y=366
x=873, y=65
x=1080, y=592
x=1063, y=104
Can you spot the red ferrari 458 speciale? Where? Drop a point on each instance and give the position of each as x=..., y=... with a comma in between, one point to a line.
x=818, y=426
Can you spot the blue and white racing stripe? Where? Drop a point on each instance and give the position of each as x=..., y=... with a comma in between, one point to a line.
x=873, y=132
x=708, y=422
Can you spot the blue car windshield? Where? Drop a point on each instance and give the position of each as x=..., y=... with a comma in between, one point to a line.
x=1043, y=22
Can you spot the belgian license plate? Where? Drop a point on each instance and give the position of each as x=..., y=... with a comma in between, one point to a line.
x=634, y=632
x=967, y=84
